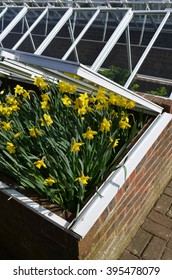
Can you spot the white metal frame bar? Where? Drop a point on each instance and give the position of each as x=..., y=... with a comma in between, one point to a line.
x=148, y=48
x=30, y=29
x=113, y=40
x=13, y=23
x=54, y=31
x=66, y=55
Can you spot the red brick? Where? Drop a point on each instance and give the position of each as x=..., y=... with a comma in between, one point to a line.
x=132, y=176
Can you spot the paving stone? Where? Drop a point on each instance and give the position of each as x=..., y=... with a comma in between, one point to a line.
x=168, y=191
x=139, y=242
x=167, y=255
x=169, y=244
x=169, y=213
x=154, y=249
x=159, y=218
x=163, y=204
x=128, y=256
x=170, y=184
x=157, y=230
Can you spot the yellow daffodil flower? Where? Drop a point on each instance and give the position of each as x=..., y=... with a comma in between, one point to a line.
x=45, y=97
x=115, y=142
x=45, y=105
x=6, y=111
x=83, y=179
x=26, y=94
x=40, y=163
x=82, y=111
x=99, y=106
x=11, y=100
x=49, y=181
x=39, y=82
x=18, y=90
x=16, y=135
x=66, y=101
x=34, y=132
x=47, y=119
x=14, y=108
x=10, y=148
x=124, y=125
x=89, y=134
x=105, y=125
x=65, y=87
x=76, y=146
x=130, y=104
x=6, y=125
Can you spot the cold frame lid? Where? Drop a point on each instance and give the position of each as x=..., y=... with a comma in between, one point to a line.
x=24, y=66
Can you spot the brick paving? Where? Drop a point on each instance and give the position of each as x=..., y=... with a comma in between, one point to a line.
x=153, y=240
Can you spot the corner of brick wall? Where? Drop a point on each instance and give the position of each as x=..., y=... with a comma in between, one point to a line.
x=166, y=103
x=121, y=219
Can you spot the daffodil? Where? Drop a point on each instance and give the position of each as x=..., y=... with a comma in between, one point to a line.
x=45, y=105
x=89, y=134
x=16, y=135
x=76, y=146
x=130, y=104
x=14, y=107
x=6, y=111
x=99, y=106
x=101, y=96
x=11, y=100
x=6, y=125
x=39, y=82
x=66, y=100
x=112, y=98
x=82, y=111
x=115, y=142
x=49, y=181
x=10, y=148
x=34, y=132
x=65, y=87
x=105, y=125
x=45, y=97
x=124, y=124
x=83, y=179
x=40, y=163
x=46, y=119
x=18, y=89
x=26, y=94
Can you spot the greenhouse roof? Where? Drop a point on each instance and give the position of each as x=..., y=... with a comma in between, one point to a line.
x=27, y=34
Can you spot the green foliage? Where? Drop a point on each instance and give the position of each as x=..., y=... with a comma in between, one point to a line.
x=118, y=75
x=161, y=91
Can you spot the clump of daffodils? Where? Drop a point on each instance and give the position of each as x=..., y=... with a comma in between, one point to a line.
x=61, y=142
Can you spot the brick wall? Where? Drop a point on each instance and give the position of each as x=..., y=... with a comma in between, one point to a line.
x=25, y=234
